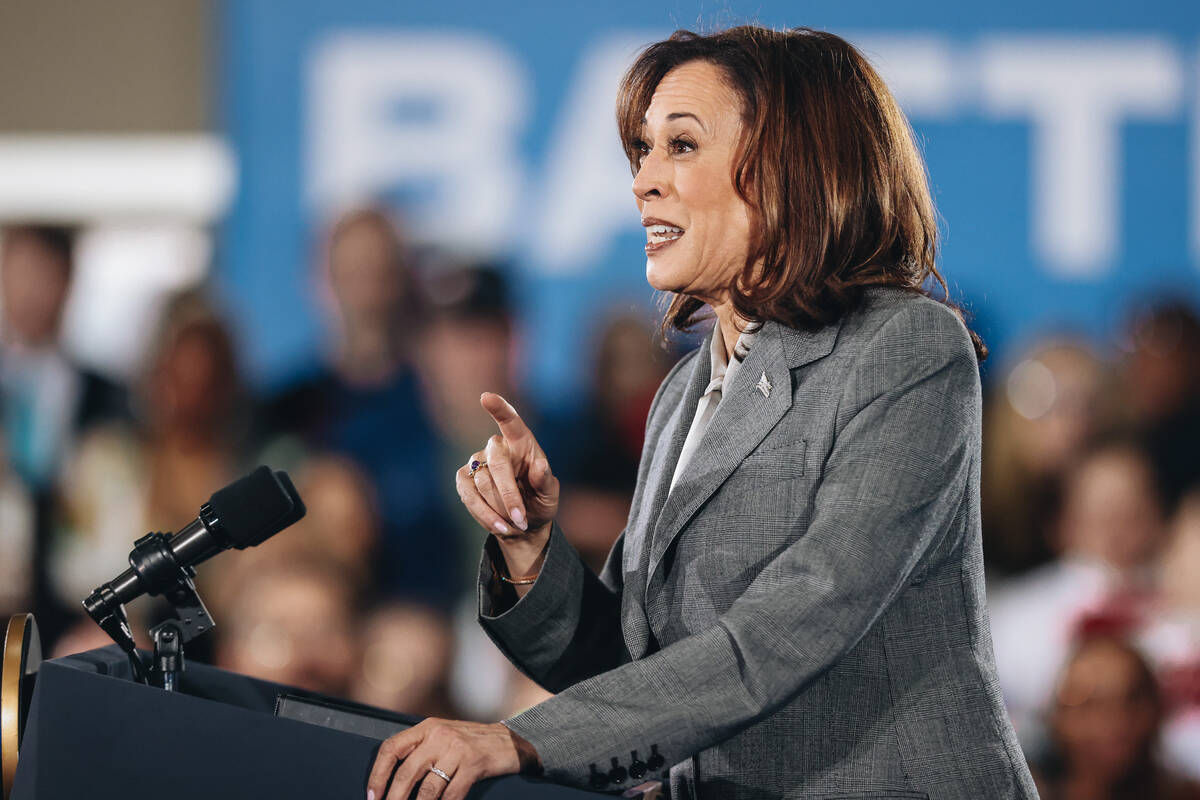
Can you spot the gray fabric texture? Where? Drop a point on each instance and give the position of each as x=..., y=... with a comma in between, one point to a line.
x=803, y=616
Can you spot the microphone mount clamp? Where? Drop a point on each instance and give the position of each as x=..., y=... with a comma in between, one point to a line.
x=161, y=574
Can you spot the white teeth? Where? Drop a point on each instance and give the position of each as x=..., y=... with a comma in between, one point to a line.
x=663, y=231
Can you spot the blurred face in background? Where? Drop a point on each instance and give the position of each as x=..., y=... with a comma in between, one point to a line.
x=1053, y=396
x=460, y=358
x=1162, y=371
x=685, y=181
x=341, y=521
x=366, y=272
x=1106, y=714
x=33, y=286
x=1181, y=558
x=628, y=364
x=1112, y=510
x=193, y=382
x=292, y=625
x=408, y=651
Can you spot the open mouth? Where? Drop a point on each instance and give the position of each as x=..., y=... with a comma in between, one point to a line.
x=660, y=236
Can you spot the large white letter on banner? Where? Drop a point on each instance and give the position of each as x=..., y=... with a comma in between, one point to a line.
x=442, y=111
x=585, y=196
x=1077, y=92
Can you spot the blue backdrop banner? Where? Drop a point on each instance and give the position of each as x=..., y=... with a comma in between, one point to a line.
x=1062, y=139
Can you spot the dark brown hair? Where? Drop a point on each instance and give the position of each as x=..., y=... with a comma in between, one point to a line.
x=828, y=164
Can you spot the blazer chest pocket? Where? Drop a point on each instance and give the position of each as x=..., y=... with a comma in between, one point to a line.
x=773, y=462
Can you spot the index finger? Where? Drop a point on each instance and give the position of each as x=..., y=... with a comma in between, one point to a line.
x=393, y=749
x=510, y=422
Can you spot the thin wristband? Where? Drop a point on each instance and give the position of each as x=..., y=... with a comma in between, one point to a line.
x=525, y=580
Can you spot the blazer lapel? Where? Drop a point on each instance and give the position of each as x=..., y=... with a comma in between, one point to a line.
x=675, y=434
x=747, y=412
x=663, y=445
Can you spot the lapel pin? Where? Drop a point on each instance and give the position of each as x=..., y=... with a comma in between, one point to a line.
x=764, y=385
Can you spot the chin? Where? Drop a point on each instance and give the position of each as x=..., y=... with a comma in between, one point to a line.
x=662, y=277
x=655, y=279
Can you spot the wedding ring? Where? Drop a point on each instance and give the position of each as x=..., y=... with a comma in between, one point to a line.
x=476, y=466
x=440, y=774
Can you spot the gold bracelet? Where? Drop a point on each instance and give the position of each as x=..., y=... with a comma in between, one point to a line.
x=525, y=581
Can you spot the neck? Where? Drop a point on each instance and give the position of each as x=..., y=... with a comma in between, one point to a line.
x=731, y=324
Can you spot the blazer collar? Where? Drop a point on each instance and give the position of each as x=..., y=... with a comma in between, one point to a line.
x=744, y=416
x=802, y=347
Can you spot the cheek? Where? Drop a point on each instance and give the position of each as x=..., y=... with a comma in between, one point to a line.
x=739, y=230
x=723, y=217
x=724, y=245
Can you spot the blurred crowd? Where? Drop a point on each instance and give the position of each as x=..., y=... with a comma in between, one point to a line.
x=1091, y=517
x=371, y=595
x=1091, y=495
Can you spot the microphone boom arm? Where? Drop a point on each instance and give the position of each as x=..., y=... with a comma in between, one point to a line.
x=154, y=563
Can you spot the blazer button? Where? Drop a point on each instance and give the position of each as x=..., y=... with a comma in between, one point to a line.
x=597, y=779
x=617, y=774
x=656, y=761
x=637, y=767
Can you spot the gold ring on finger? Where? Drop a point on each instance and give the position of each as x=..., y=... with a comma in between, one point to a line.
x=476, y=465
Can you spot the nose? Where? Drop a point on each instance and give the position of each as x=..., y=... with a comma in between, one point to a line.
x=652, y=179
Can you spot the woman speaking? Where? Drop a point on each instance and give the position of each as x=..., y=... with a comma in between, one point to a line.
x=795, y=608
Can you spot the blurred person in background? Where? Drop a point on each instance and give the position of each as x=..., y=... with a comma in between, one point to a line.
x=341, y=523
x=1171, y=638
x=1037, y=419
x=407, y=660
x=365, y=283
x=1105, y=722
x=153, y=474
x=1161, y=384
x=292, y=621
x=602, y=445
x=1109, y=533
x=47, y=398
x=46, y=401
x=362, y=402
x=468, y=344
x=393, y=654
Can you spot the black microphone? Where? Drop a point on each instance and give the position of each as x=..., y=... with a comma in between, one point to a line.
x=245, y=513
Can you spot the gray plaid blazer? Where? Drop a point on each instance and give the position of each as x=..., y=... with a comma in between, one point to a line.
x=803, y=616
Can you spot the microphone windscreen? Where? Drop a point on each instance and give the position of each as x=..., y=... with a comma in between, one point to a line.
x=256, y=507
x=298, y=509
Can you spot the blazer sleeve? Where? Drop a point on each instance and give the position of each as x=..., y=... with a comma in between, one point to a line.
x=904, y=456
x=567, y=627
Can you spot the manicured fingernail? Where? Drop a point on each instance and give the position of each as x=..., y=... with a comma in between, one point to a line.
x=370, y=794
x=500, y=527
x=519, y=518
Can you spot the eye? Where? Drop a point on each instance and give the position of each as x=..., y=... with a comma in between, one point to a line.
x=680, y=145
x=641, y=150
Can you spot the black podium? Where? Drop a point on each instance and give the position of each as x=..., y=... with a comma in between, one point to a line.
x=92, y=732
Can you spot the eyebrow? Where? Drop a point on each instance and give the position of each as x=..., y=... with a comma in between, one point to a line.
x=679, y=115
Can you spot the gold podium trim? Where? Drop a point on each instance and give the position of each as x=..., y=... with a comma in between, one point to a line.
x=21, y=646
